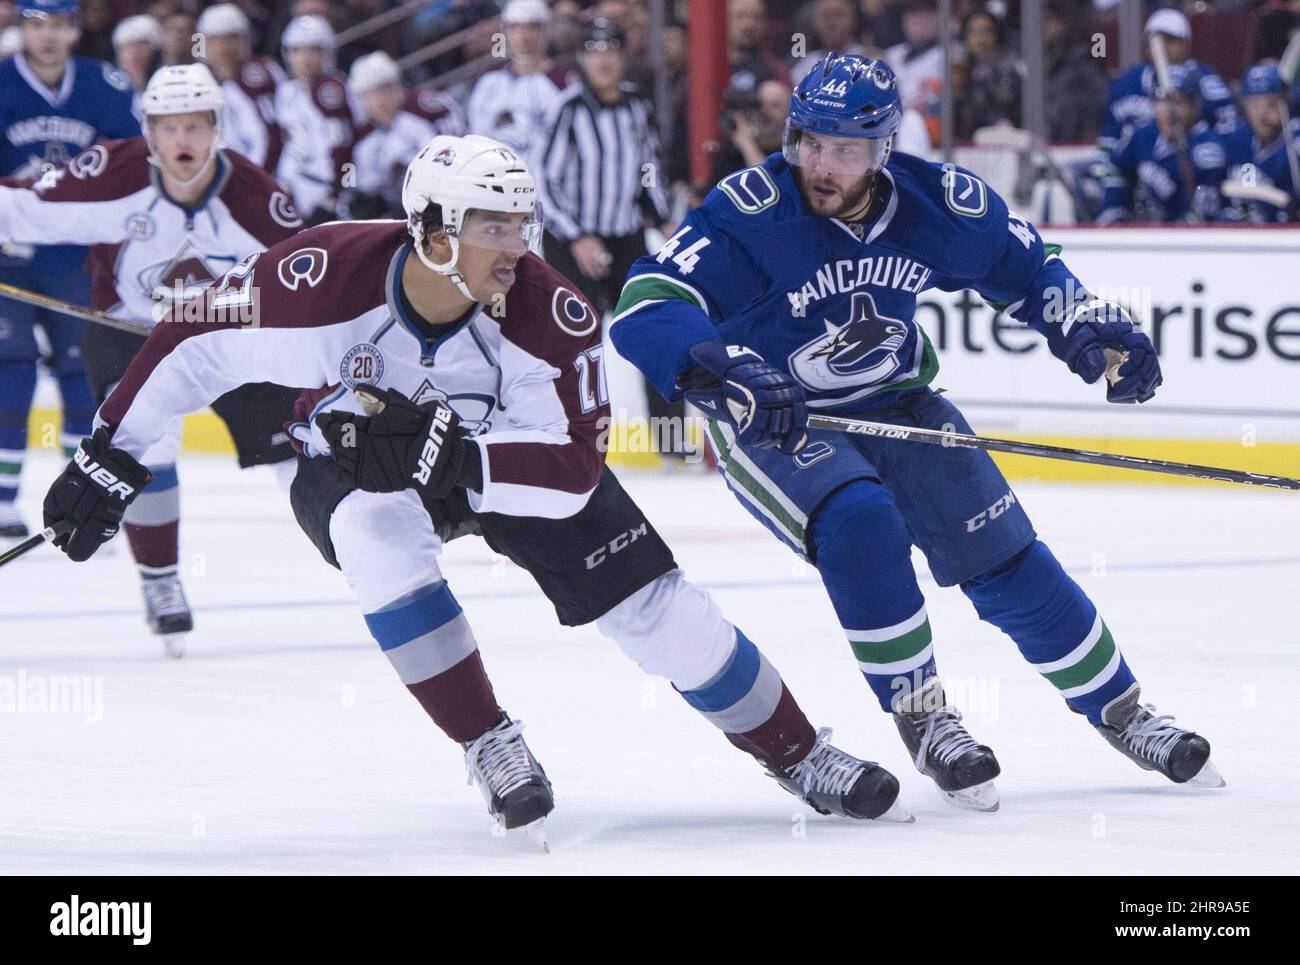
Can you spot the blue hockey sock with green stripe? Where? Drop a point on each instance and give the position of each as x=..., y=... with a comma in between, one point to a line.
x=1033, y=601
x=864, y=555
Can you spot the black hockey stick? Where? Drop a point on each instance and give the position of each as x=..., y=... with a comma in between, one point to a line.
x=941, y=437
x=47, y=535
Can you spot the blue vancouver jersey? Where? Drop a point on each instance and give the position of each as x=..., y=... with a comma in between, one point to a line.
x=40, y=127
x=1268, y=166
x=1131, y=103
x=829, y=302
x=1145, y=180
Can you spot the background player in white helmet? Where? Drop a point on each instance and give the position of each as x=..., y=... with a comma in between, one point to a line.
x=511, y=102
x=482, y=366
x=399, y=122
x=168, y=213
x=318, y=118
x=137, y=42
x=249, y=84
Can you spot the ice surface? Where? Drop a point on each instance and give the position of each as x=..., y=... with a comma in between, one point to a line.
x=283, y=741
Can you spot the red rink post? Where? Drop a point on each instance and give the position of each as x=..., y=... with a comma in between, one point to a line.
x=708, y=73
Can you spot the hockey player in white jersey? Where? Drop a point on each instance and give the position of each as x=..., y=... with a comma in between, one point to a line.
x=167, y=213
x=248, y=83
x=512, y=102
x=483, y=368
x=137, y=45
x=318, y=118
x=399, y=122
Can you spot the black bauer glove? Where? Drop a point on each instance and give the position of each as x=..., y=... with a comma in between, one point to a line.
x=92, y=494
x=402, y=446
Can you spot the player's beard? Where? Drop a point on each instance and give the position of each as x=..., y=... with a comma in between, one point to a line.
x=856, y=203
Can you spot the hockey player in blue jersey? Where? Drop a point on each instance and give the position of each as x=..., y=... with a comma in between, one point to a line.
x=1151, y=178
x=1131, y=101
x=793, y=287
x=52, y=107
x=1257, y=148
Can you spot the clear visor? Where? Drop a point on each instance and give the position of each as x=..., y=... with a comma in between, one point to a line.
x=501, y=230
x=820, y=153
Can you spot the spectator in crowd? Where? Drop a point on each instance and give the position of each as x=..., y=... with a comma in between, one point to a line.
x=751, y=60
x=249, y=84
x=1130, y=101
x=511, y=103
x=918, y=61
x=1076, y=81
x=398, y=124
x=1150, y=179
x=834, y=28
x=137, y=49
x=752, y=124
x=882, y=21
x=96, y=22
x=317, y=118
x=566, y=33
x=988, y=91
x=178, y=38
x=1261, y=152
x=677, y=148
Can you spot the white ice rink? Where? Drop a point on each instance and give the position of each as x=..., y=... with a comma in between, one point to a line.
x=283, y=741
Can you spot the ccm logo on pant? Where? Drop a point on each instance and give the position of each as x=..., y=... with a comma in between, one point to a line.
x=614, y=545
x=98, y=474
x=993, y=512
x=432, y=445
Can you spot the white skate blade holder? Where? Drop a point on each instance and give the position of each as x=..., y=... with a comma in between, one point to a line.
x=980, y=797
x=1207, y=776
x=174, y=644
x=897, y=814
x=534, y=832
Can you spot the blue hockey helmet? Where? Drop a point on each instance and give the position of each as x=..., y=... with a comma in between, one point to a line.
x=845, y=96
x=47, y=8
x=1261, y=79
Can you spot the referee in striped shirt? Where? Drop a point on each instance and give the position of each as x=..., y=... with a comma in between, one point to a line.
x=600, y=172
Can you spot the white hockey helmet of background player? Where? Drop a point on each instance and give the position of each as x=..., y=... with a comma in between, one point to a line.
x=526, y=11
x=373, y=71
x=11, y=41
x=309, y=30
x=223, y=20
x=463, y=175
x=182, y=89
x=137, y=29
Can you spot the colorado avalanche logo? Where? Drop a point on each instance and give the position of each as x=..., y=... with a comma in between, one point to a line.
x=863, y=351
x=363, y=364
x=445, y=156
x=571, y=313
x=304, y=265
x=474, y=408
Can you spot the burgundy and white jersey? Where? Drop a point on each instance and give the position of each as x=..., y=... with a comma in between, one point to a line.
x=319, y=121
x=324, y=309
x=513, y=108
x=146, y=247
x=382, y=154
x=250, y=126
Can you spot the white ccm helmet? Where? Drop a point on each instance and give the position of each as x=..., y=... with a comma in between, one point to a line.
x=464, y=174
x=182, y=89
x=223, y=20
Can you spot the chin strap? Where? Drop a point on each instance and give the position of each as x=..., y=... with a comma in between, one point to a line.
x=447, y=268
x=183, y=182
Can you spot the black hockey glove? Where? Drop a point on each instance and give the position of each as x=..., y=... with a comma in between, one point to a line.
x=735, y=384
x=92, y=494
x=402, y=446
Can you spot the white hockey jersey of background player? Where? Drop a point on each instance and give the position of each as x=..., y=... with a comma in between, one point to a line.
x=248, y=83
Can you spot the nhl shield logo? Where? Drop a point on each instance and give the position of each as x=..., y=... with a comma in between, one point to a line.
x=862, y=351
x=362, y=365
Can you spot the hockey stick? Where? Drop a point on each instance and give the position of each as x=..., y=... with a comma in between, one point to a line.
x=76, y=311
x=47, y=535
x=941, y=437
x=1288, y=67
x=1160, y=59
x=1255, y=192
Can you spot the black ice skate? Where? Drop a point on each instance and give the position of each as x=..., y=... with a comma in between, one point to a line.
x=944, y=751
x=514, y=785
x=1155, y=744
x=167, y=611
x=11, y=524
x=832, y=782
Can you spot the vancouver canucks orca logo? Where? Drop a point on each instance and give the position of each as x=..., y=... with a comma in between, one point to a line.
x=862, y=351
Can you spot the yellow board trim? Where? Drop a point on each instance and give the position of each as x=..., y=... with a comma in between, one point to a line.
x=204, y=432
